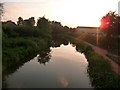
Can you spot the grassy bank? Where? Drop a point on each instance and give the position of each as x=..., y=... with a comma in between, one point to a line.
x=16, y=51
x=102, y=42
x=21, y=42
x=99, y=69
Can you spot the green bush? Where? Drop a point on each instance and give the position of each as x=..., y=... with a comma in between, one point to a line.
x=19, y=49
x=99, y=69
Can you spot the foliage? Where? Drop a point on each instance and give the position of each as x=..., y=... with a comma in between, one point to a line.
x=112, y=31
x=60, y=32
x=102, y=42
x=24, y=41
x=19, y=50
x=28, y=22
x=99, y=69
x=20, y=21
x=113, y=23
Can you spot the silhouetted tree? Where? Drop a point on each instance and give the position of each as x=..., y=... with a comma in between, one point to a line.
x=32, y=21
x=27, y=22
x=110, y=26
x=20, y=21
x=44, y=27
x=43, y=23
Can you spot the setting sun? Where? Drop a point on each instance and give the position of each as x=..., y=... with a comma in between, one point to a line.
x=72, y=13
x=59, y=44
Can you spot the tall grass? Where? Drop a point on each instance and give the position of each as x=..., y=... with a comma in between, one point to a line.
x=99, y=69
x=19, y=50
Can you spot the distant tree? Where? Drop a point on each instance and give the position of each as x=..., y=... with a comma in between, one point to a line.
x=44, y=25
x=27, y=22
x=109, y=24
x=8, y=28
x=20, y=21
x=11, y=23
x=56, y=30
x=32, y=21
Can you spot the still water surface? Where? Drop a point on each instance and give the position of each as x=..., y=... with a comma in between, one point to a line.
x=66, y=68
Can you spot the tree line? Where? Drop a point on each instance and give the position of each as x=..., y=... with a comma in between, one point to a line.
x=110, y=23
x=23, y=40
x=110, y=26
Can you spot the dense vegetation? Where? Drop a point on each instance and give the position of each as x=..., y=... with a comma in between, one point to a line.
x=109, y=39
x=110, y=26
x=22, y=41
x=102, y=42
x=99, y=69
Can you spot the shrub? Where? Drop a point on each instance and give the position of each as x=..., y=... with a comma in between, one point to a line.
x=99, y=69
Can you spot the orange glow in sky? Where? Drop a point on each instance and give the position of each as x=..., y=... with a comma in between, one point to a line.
x=72, y=13
x=105, y=22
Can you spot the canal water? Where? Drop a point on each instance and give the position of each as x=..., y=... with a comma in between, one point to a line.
x=62, y=67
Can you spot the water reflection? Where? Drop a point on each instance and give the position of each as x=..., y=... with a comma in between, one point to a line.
x=63, y=81
x=12, y=67
x=66, y=68
x=44, y=56
x=56, y=43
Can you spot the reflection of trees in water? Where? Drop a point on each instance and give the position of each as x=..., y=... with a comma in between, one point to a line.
x=4, y=82
x=102, y=77
x=58, y=43
x=12, y=67
x=44, y=56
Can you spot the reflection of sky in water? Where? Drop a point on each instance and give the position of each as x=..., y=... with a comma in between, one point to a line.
x=63, y=81
x=67, y=68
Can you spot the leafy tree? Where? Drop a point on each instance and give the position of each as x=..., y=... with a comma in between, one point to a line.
x=20, y=21
x=27, y=22
x=8, y=29
x=44, y=27
x=109, y=24
x=43, y=23
x=32, y=21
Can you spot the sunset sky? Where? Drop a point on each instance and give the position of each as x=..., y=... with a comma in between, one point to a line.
x=72, y=13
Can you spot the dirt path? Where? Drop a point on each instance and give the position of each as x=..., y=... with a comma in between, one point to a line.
x=103, y=52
